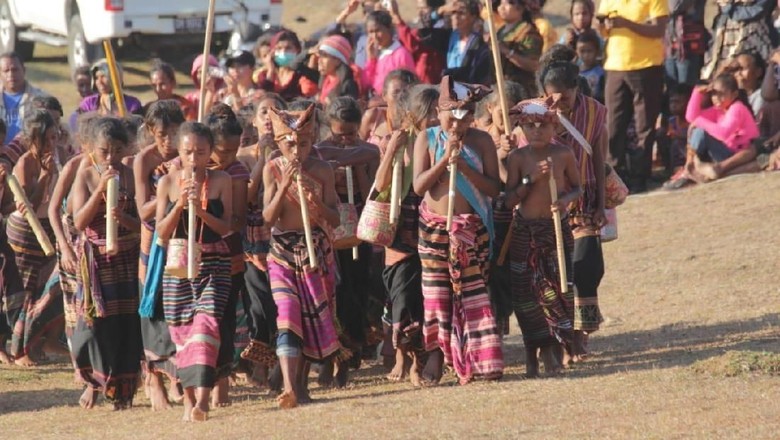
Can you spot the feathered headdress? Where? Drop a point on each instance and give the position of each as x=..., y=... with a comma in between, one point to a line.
x=460, y=98
x=292, y=125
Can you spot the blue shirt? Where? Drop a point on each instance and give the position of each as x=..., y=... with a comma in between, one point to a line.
x=596, y=77
x=456, y=52
x=12, y=121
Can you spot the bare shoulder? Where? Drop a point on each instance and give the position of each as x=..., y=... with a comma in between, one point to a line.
x=321, y=169
x=142, y=158
x=562, y=151
x=128, y=161
x=480, y=139
x=220, y=177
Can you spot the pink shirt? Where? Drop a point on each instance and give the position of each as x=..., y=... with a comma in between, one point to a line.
x=376, y=70
x=735, y=127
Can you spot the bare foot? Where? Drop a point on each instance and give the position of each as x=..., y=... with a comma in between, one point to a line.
x=414, y=372
x=88, y=398
x=121, y=406
x=397, y=373
x=4, y=358
x=198, y=415
x=531, y=363
x=157, y=393
x=25, y=361
x=175, y=393
x=434, y=368
x=342, y=375
x=325, y=378
x=220, y=398
x=275, y=379
x=550, y=360
x=287, y=400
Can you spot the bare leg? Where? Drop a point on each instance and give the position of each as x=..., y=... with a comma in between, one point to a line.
x=399, y=370
x=550, y=360
x=434, y=368
x=88, y=398
x=325, y=378
x=531, y=363
x=175, y=392
x=302, y=382
x=289, y=367
x=221, y=397
x=157, y=393
x=414, y=371
x=189, y=403
x=275, y=380
x=4, y=358
x=342, y=373
x=200, y=412
x=740, y=158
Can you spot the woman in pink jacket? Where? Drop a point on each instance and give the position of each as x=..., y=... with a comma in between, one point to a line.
x=385, y=53
x=721, y=134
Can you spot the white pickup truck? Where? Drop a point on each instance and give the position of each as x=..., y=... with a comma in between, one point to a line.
x=82, y=25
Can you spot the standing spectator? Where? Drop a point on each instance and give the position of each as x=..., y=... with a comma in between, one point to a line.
x=546, y=29
x=520, y=44
x=427, y=44
x=385, y=53
x=740, y=26
x=589, y=54
x=459, y=51
x=749, y=70
x=770, y=92
x=104, y=101
x=83, y=81
x=285, y=75
x=361, y=38
x=635, y=76
x=17, y=94
x=239, y=88
x=581, y=12
x=686, y=42
x=163, y=80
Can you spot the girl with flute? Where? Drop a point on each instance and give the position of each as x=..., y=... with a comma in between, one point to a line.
x=195, y=307
x=455, y=262
x=32, y=313
x=402, y=273
x=106, y=343
x=300, y=206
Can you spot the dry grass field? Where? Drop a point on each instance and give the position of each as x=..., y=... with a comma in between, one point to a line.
x=690, y=347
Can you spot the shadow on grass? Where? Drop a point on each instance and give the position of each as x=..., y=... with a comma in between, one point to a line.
x=38, y=400
x=669, y=346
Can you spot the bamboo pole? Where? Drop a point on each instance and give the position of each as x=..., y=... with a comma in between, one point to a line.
x=205, y=65
x=307, y=225
x=29, y=215
x=498, y=67
x=558, y=231
x=452, y=192
x=192, y=269
x=351, y=200
x=395, y=188
x=116, y=83
x=112, y=227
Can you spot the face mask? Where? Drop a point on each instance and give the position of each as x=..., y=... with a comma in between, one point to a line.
x=284, y=59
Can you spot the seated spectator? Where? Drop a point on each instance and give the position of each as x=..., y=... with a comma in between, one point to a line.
x=285, y=74
x=770, y=92
x=721, y=135
x=672, y=132
x=103, y=100
x=163, y=80
x=385, y=53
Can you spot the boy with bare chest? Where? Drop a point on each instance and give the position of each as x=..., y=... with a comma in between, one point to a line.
x=459, y=326
x=303, y=293
x=544, y=308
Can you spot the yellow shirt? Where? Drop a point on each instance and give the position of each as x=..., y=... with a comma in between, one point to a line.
x=627, y=50
x=549, y=35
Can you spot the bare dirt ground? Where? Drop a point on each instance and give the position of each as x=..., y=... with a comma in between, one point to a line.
x=689, y=348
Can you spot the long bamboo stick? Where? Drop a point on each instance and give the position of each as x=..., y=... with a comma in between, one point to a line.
x=112, y=228
x=205, y=66
x=116, y=84
x=452, y=193
x=192, y=236
x=313, y=263
x=29, y=215
x=498, y=67
x=558, y=231
x=351, y=200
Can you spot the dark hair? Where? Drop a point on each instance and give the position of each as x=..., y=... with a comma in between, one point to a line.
x=3, y=127
x=758, y=61
x=289, y=36
x=36, y=123
x=166, y=112
x=246, y=115
x=382, y=18
x=86, y=125
x=196, y=129
x=557, y=52
x=132, y=124
x=515, y=92
x=560, y=74
x=730, y=82
x=682, y=89
x=164, y=68
x=420, y=101
x=13, y=56
x=472, y=6
x=590, y=37
x=48, y=103
x=588, y=3
x=281, y=104
x=406, y=77
x=81, y=71
x=435, y=3
x=301, y=104
x=344, y=109
x=110, y=129
x=223, y=123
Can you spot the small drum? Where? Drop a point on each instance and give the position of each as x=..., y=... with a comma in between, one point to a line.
x=610, y=231
x=176, y=261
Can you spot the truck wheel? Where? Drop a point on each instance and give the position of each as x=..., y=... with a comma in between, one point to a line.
x=80, y=52
x=9, y=41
